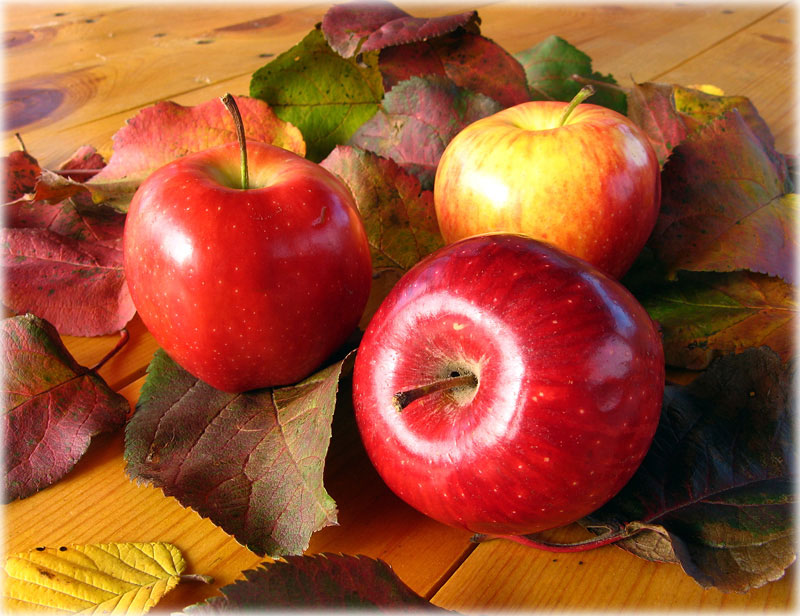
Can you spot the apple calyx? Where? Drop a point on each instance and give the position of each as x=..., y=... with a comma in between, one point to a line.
x=609, y=537
x=233, y=109
x=455, y=381
x=584, y=93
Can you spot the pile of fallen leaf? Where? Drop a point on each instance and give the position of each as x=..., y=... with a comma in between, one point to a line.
x=375, y=95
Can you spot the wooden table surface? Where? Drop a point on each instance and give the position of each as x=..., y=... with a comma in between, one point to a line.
x=95, y=65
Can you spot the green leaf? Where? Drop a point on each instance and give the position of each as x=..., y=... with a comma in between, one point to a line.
x=252, y=463
x=323, y=94
x=550, y=67
x=323, y=581
x=704, y=315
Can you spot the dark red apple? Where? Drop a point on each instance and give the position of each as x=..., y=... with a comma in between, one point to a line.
x=247, y=288
x=506, y=387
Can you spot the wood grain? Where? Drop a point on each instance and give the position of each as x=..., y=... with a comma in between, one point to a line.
x=76, y=72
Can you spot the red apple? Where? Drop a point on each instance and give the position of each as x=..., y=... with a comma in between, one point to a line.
x=247, y=288
x=506, y=387
x=590, y=186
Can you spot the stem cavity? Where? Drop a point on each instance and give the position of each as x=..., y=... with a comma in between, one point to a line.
x=584, y=93
x=233, y=109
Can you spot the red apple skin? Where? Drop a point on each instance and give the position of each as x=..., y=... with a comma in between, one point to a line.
x=570, y=373
x=247, y=288
x=592, y=187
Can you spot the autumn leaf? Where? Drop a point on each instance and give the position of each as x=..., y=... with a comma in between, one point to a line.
x=716, y=485
x=704, y=107
x=417, y=120
x=669, y=113
x=323, y=94
x=21, y=171
x=354, y=27
x=52, y=406
x=322, y=581
x=708, y=314
x=725, y=205
x=651, y=106
x=471, y=61
x=165, y=131
x=252, y=463
x=123, y=578
x=398, y=215
x=556, y=70
x=64, y=263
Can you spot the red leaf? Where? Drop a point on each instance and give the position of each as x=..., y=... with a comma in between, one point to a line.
x=21, y=173
x=63, y=261
x=724, y=206
x=78, y=285
x=370, y=26
x=83, y=164
x=252, y=463
x=53, y=406
x=470, y=60
x=166, y=131
x=651, y=106
x=323, y=581
x=417, y=120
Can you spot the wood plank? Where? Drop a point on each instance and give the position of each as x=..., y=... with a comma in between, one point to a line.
x=504, y=576
x=758, y=62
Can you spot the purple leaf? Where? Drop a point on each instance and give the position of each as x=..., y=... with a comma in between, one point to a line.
x=52, y=406
x=369, y=26
x=324, y=581
x=417, y=120
x=252, y=463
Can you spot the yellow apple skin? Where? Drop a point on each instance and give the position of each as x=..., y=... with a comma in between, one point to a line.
x=591, y=186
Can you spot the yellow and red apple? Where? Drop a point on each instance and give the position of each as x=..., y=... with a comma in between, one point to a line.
x=583, y=178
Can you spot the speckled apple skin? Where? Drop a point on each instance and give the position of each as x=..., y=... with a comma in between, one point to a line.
x=570, y=373
x=247, y=288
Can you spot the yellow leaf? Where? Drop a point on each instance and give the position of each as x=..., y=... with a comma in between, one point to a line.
x=708, y=89
x=120, y=578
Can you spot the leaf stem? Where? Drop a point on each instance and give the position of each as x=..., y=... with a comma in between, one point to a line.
x=584, y=93
x=607, y=538
x=124, y=336
x=404, y=398
x=197, y=577
x=588, y=81
x=233, y=109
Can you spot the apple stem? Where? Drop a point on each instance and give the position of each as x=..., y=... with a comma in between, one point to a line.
x=124, y=336
x=584, y=93
x=404, y=398
x=233, y=109
x=609, y=537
